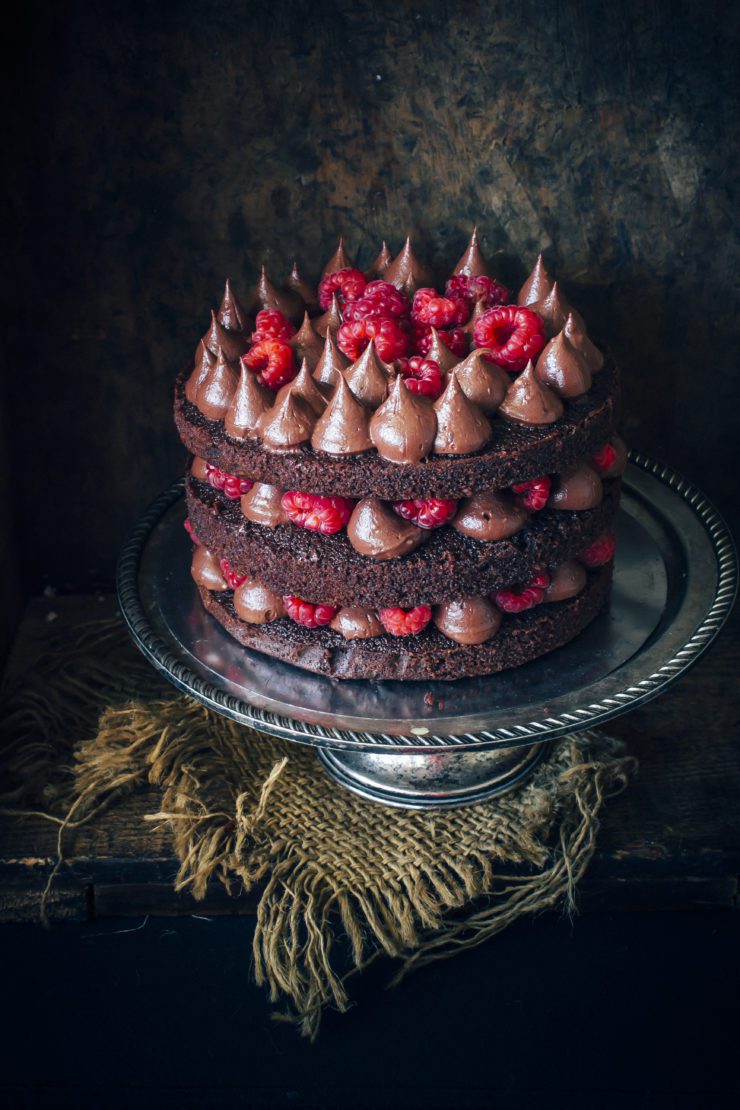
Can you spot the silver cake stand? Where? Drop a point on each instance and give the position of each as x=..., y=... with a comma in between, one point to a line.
x=425, y=745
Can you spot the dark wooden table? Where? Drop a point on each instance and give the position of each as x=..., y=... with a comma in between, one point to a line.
x=671, y=841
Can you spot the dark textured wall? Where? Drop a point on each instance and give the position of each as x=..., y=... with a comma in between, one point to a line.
x=156, y=149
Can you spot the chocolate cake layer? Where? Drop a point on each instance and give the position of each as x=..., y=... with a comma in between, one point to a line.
x=515, y=453
x=429, y=655
x=292, y=560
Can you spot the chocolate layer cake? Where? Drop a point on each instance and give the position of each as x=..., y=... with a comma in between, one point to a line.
x=395, y=481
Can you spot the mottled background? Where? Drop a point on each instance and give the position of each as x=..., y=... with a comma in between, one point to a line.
x=153, y=149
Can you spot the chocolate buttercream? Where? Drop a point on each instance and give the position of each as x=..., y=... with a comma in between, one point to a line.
x=217, y=389
x=404, y=427
x=618, y=466
x=478, y=309
x=331, y=319
x=263, y=505
x=248, y=405
x=537, y=286
x=344, y=427
x=204, y=361
x=563, y=368
x=553, y=309
x=338, y=261
x=296, y=283
x=380, y=265
x=578, y=337
x=468, y=620
x=472, y=262
x=566, y=581
x=481, y=381
x=407, y=273
x=307, y=342
x=577, y=490
x=256, y=604
x=376, y=531
x=368, y=378
x=288, y=423
x=286, y=301
x=304, y=386
x=331, y=364
x=357, y=624
x=205, y=570
x=529, y=401
x=232, y=343
x=490, y=516
x=231, y=314
x=199, y=468
x=462, y=428
x=441, y=353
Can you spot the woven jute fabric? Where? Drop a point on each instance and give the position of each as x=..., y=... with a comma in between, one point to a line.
x=93, y=722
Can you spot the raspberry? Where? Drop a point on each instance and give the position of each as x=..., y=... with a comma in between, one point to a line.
x=191, y=532
x=319, y=514
x=540, y=579
x=271, y=324
x=422, y=375
x=391, y=340
x=604, y=459
x=432, y=513
x=234, y=580
x=380, y=299
x=405, y=622
x=348, y=284
x=473, y=289
x=517, y=600
x=438, y=312
x=307, y=614
x=232, y=486
x=514, y=335
x=533, y=494
x=454, y=339
x=272, y=361
x=600, y=552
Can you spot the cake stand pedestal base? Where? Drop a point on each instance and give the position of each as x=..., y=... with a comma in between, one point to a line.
x=433, y=779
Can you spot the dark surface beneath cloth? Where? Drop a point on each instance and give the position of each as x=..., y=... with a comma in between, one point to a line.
x=609, y=1011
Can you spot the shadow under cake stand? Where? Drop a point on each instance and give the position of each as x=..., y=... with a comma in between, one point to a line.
x=427, y=745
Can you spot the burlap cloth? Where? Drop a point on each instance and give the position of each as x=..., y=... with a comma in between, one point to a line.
x=92, y=722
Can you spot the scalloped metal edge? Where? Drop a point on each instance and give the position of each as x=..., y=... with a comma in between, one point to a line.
x=534, y=731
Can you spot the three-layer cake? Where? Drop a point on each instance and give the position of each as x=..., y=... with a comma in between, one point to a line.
x=392, y=482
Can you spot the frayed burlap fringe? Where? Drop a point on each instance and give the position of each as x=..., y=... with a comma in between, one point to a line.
x=245, y=809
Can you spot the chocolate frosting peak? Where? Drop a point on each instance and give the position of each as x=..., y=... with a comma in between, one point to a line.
x=537, y=286
x=576, y=490
x=304, y=386
x=233, y=343
x=566, y=581
x=205, y=570
x=288, y=423
x=461, y=426
x=231, y=314
x=307, y=342
x=332, y=318
x=376, y=531
x=478, y=309
x=481, y=381
x=199, y=468
x=441, y=353
x=553, y=309
x=368, y=378
x=381, y=263
x=338, y=261
x=490, y=516
x=468, y=620
x=204, y=361
x=263, y=505
x=472, y=261
x=344, y=427
x=256, y=604
x=284, y=300
x=331, y=363
x=217, y=389
x=407, y=273
x=296, y=283
x=563, y=368
x=576, y=334
x=404, y=427
x=528, y=401
x=357, y=624
x=249, y=403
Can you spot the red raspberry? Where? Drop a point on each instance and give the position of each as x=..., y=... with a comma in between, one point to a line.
x=381, y=300
x=473, y=289
x=422, y=375
x=432, y=513
x=232, y=486
x=604, y=459
x=533, y=494
x=191, y=532
x=405, y=622
x=540, y=579
x=233, y=579
x=517, y=600
x=454, y=339
x=438, y=312
x=391, y=340
x=271, y=324
x=348, y=284
x=600, y=552
x=514, y=335
x=310, y=616
x=319, y=514
x=272, y=361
